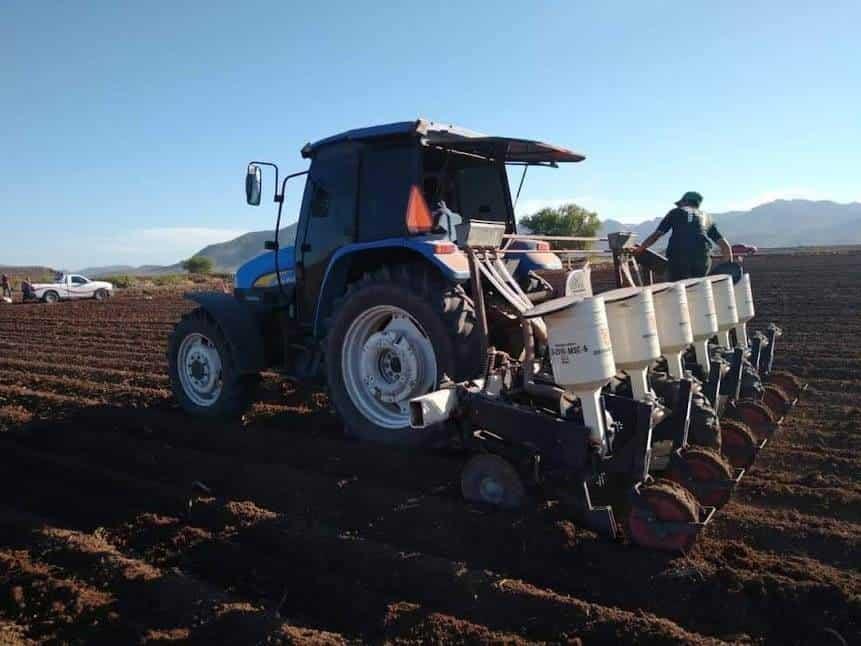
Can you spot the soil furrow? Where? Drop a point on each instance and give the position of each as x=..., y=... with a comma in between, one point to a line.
x=281, y=554
x=603, y=568
x=145, y=603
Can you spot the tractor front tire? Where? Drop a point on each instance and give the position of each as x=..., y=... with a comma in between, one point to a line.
x=396, y=334
x=202, y=370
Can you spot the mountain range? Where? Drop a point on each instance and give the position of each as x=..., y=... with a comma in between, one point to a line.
x=781, y=223
x=226, y=256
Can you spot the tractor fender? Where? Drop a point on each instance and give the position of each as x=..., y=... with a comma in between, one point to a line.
x=240, y=329
x=452, y=267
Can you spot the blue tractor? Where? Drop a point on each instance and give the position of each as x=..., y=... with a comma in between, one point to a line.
x=410, y=296
x=374, y=297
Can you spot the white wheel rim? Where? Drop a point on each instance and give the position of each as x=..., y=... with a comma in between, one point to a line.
x=200, y=369
x=387, y=359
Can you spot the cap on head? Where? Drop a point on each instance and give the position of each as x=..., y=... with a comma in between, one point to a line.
x=691, y=198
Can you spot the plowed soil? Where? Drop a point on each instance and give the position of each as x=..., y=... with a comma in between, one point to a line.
x=122, y=520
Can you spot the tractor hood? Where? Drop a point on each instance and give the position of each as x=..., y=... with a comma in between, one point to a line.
x=260, y=271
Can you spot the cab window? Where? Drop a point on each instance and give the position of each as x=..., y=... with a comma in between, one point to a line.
x=471, y=187
x=481, y=193
x=387, y=175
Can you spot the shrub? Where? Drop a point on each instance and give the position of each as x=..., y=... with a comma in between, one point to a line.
x=168, y=280
x=121, y=281
x=198, y=265
x=567, y=220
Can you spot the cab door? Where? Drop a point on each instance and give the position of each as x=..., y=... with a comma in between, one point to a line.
x=327, y=221
x=79, y=287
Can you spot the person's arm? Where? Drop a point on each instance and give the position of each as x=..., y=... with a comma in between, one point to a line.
x=648, y=242
x=721, y=242
x=725, y=250
x=664, y=226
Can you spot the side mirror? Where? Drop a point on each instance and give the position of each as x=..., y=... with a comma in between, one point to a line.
x=253, y=185
x=270, y=245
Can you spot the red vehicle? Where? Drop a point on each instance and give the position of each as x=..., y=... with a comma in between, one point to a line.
x=744, y=249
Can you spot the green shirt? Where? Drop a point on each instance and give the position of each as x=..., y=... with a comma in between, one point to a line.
x=692, y=230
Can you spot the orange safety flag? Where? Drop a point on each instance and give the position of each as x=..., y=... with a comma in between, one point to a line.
x=419, y=218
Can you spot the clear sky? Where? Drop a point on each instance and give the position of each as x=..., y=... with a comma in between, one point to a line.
x=126, y=127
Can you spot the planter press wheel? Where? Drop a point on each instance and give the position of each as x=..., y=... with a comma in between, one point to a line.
x=488, y=479
x=788, y=382
x=663, y=501
x=758, y=418
x=739, y=444
x=703, y=466
x=777, y=399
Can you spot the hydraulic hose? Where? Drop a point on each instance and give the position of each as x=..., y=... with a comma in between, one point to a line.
x=499, y=283
x=537, y=323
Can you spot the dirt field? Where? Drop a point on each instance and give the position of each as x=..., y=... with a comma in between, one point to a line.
x=122, y=520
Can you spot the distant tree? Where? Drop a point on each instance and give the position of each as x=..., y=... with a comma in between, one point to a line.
x=198, y=265
x=566, y=220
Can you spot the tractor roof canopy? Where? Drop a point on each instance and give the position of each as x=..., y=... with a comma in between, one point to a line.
x=430, y=133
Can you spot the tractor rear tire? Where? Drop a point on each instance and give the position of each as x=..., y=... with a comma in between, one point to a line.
x=374, y=364
x=230, y=393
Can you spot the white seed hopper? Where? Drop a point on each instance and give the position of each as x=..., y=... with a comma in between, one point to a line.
x=744, y=303
x=725, y=308
x=701, y=306
x=633, y=334
x=674, y=324
x=581, y=353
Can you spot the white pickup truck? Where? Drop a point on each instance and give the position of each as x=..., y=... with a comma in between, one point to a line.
x=66, y=287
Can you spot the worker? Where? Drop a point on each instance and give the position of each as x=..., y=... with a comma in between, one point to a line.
x=5, y=286
x=26, y=288
x=691, y=241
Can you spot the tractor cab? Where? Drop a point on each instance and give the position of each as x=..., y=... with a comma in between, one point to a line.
x=373, y=296
x=396, y=191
